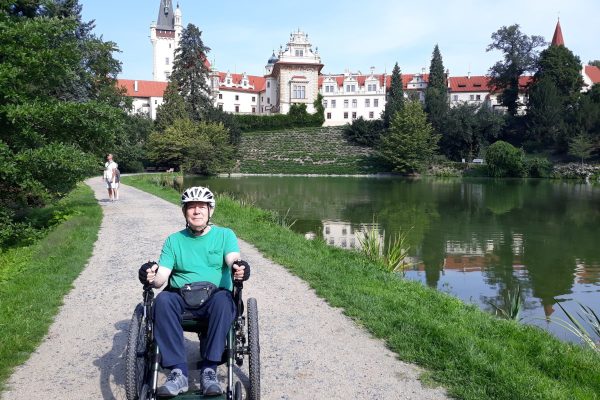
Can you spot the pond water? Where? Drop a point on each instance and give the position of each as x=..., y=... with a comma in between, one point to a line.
x=476, y=239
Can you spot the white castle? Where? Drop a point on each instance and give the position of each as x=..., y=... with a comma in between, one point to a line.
x=293, y=76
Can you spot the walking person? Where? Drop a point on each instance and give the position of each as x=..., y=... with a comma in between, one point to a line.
x=116, y=182
x=109, y=176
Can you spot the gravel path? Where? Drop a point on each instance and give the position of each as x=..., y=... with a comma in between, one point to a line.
x=309, y=350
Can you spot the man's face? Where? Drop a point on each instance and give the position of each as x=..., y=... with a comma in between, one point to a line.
x=109, y=157
x=197, y=213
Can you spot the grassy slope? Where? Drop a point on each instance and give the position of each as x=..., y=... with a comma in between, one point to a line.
x=34, y=280
x=473, y=354
x=302, y=151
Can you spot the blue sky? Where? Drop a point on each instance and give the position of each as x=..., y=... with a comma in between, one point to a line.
x=349, y=35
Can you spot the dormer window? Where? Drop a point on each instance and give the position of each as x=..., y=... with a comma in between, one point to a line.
x=299, y=53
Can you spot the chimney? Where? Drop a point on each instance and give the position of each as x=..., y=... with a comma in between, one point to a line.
x=135, y=86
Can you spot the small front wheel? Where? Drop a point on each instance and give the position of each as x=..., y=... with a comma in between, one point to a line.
x=254, y=350
x=237, y=393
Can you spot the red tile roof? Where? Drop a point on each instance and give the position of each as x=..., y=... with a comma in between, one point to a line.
x=466, y=84
x=259, y=82
x=593, y=72
x=145, y=88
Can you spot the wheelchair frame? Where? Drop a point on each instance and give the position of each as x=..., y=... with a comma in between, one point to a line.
x=142, y=355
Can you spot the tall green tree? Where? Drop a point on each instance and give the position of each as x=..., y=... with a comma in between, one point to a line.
x=520, y=56
x=595, y=63
x=395, y=97
x=561, y=66
x=436, y=94
x=410, y=143
x=544, y=121
x=190, y=73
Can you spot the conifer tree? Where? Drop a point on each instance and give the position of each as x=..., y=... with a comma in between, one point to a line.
x=436, y=94
x=190, y=73
x=172, y=108
x=395, y=99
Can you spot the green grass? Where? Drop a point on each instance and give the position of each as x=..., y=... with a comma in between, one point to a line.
x=472, y=354
x=34, y=279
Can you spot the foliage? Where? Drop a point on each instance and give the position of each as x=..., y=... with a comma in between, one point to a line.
x=296, y=118
x=595, y=63
x=436, y=94
x=514, y=301
x=545, y=116
x=129, y=151
x=60, y=108
x=410, y=143
x=581, y=146
x=520, y=56
x=391, y=257
x=503, y=160
x=190, y=73
x=467, y=129
x=364, y=132
x=172, y=108
x=395, y=97
x=590, y=337
x=563, y=68
x=195, y=147
x=538, y=167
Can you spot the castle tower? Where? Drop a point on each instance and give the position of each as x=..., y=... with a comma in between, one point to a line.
x=165, y=34
x=297, y=74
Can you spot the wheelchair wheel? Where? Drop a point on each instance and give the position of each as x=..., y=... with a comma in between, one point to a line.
x=254, y=350
x=137, y=357
x=237, y=393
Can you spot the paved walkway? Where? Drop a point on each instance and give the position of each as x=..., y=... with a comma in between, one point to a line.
x=308, y=349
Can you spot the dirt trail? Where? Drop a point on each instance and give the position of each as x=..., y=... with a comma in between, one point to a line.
x=309, y=350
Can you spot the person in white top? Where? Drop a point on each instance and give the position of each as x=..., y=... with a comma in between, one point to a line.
x=110, y=168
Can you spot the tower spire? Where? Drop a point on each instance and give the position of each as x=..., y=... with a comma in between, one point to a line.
x=557, y=39
x=166, y=19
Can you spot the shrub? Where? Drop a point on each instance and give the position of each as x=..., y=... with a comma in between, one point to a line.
x=537, y=167
x=505, y=160
x=364, y=132
x=297, y=117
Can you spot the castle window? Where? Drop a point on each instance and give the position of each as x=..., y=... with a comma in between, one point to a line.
x=472, y=97
x=478, y=97
x=455, y=97
x=354, y=103
x=237, y=109
x=268, y=100
x=299, y=92
x=253, y=110
x=253, y=98
x=371, y=114
x=367, y=102
x=167, y=61
x=328, y=115
x=345, y=103
x=324, y=103
x=375, y=102
x=220, y=95
x=237, y=96
x=299, y=53
x=169, y=45
x=354, y=115
x=332, y=103
x=345, y=115
x=268, y=84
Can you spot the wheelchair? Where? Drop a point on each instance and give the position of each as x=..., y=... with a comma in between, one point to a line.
x=142, y=355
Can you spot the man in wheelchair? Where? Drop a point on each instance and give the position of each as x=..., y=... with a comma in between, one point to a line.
x=197, y=264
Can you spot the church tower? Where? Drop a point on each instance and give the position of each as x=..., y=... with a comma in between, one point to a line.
x=165, y=34
x=557, y=39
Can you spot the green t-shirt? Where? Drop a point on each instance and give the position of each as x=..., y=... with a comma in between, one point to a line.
x=199, y=258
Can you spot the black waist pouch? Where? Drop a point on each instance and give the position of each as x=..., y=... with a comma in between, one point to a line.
x=197, y=293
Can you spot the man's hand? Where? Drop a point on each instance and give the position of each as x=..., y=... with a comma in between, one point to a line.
x=241, y=270
x=147, y=272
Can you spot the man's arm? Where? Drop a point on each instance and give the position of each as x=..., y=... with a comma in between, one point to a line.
x=238, y=270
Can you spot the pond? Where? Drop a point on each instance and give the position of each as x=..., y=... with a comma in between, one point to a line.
x=476, y=239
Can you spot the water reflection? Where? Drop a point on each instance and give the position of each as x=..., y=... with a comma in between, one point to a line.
x=478, y=240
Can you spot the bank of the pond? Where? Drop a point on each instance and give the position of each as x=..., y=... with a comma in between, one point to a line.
x=471, y=353
x=34, y=279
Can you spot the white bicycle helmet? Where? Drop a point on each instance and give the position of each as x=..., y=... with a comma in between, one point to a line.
x=198, y=193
